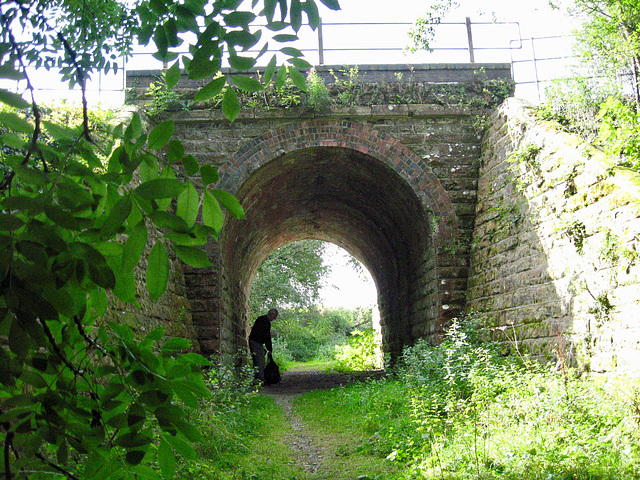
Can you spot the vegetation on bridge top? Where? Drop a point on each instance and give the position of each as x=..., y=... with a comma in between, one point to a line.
x=348, y=89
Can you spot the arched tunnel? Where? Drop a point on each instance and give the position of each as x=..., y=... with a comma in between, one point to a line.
x=340, y=196
x=356, y=200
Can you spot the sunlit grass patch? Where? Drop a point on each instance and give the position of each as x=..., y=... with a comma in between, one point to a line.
x=349, y=421
x=320, y=365
x=243, y=434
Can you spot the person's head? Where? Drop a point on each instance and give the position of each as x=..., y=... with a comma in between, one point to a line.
x=272, y=315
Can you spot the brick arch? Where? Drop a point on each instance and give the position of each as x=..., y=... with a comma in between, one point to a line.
x=360, y=189
x=345, y=134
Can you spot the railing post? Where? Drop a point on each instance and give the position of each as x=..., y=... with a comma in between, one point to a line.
x=470, y=38
x=320, y=44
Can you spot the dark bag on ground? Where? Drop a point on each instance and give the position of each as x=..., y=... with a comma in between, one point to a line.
x=271, y=372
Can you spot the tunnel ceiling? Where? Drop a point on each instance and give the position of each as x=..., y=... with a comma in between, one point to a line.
x=331, y=194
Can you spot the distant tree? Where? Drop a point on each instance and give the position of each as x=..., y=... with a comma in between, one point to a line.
x=291, y=277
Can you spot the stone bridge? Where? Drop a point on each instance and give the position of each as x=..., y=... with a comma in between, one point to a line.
x=396, y=185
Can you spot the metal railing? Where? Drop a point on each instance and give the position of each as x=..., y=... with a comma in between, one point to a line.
x=366, y=43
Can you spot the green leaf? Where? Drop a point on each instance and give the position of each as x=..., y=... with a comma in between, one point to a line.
x=209, y=174
x=202, y=68
x=185, y=394
x=281, y=77
x=166, y=459
x=182, y=447
x=239, y=19
x=175, y=151
x=210, y=90
x=230, y=202
x=171, y=29
x=160, y=188
x=169, y=220
x=292, y=52
x=241, y=63
x=246, y=84
x=63, y=219
x=134, y=129
x=331, y=4
x=270, y=9
x=161, y=41
x=190, y=164
x=230, y=104
x=9, y=222
x=195, y=359
x=13, y=141
x=172, y=75
x=189, y=430
x=300, y=63
x=13, y=99
x=175, y=344
x=188, y=204
x=242, y=38
x=134, y=457
x=60, y=132
x=125, y=288
x=282, y=38
x=19, y=340
x=312, y=13
x=7, y=71
x=192, y=256
x=31, y=175
x=154, y=335
x=296, y=15
x=102, y=275
x=298, y=79
x=134, y=246
x=15, y=122
x=33, y=378
x=157, y=271
x=211, y=212
x=117, y=217
x=160, y=135
x=270, y=70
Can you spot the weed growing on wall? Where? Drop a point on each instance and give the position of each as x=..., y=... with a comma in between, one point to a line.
x=347, y=85
x=318, y=96
x=163, y=99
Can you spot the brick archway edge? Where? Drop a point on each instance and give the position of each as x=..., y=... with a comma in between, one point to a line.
x=348, y=135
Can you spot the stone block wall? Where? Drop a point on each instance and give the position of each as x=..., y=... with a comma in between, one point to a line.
x=554, y=255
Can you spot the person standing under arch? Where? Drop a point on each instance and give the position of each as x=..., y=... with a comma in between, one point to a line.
x=259, y=340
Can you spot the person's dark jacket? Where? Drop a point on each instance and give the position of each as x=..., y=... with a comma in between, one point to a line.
x=261, y=332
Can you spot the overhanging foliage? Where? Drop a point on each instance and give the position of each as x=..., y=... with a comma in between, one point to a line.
x=80, y=398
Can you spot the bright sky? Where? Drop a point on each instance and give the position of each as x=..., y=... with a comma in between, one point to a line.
x=533, y=17
x=344, y=287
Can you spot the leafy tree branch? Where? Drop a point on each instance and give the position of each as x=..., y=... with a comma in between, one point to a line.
x=82, y=397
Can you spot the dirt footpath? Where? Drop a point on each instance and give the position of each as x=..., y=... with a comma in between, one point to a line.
x=310, y=455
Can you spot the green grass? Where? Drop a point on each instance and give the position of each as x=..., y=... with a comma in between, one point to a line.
x=343, y=421
x=323, y=365
x=247, y=447
x=457, y=411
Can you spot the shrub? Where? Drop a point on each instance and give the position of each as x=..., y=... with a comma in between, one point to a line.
x=318, y=96
x=361, y=353
x=619, y=131
x=575, y=103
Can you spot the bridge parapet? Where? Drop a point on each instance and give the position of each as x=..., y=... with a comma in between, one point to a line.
x=429, y=77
